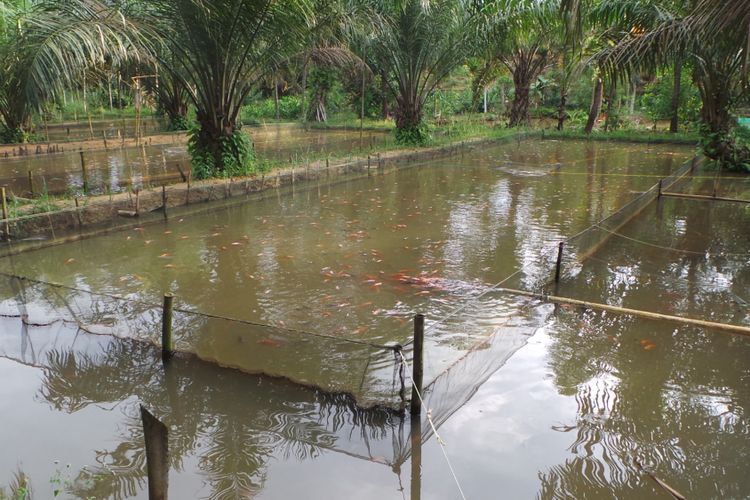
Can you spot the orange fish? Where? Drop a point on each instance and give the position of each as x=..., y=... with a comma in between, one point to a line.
x=269, y=343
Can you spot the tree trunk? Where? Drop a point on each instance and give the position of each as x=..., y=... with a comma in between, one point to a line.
x=610, y=105
x=408, y=117
x=676, y=91
x=276, y=98
x=519, y=111
x=304, y=91
x=561, y=111
x=385, y=112
x=596, y=106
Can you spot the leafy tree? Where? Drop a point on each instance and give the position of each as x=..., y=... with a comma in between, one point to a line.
x=718, y=65
x=48, y=45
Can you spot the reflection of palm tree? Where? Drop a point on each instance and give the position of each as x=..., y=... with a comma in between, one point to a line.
x=236, y=422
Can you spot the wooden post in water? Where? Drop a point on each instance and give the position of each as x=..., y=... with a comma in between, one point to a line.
x=6, y=225
x=104, y=138
x=31, y=184
x=164, y=199
x=137, y=202
x=416, y=459
x=661, y=181
x=558, y=266
x=156, y=437
x=84, y=175
x=417, y=365
x=78, y=212
x=166, y=328
x=368, y=165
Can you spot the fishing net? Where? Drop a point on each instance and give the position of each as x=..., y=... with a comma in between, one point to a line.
x=586, y=243
x=462, y=348
x=81, y=369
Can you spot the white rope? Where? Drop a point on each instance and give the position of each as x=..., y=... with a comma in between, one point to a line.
x=434, y=429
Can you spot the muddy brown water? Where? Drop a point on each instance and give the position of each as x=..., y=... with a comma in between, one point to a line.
x=581, y=400
x=116, y=169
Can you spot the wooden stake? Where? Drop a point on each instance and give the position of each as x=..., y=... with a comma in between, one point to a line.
x=78, y=212
x=156, y=437
x=31, y=184
x=5, y=213
x=660, y=185
x=84, y=175
x=164, y=199
x=417, y=365
x=166, y=328
x=559, y=261
x=104, y=137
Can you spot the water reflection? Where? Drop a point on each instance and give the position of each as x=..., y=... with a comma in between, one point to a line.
x=118, y=168
x=233, y=423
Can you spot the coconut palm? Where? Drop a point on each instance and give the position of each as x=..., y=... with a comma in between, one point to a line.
x=419, y=43
x=221, y=49
x=46, y=46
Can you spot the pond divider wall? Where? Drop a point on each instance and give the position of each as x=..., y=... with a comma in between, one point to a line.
x=90, y=216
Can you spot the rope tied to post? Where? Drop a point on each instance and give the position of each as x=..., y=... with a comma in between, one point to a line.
x=438, y=437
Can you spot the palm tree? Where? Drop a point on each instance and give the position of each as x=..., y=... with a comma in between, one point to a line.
x=419, y=43
x=46, y=46
x=718, y=69
x=220, y=50
x=520, y=39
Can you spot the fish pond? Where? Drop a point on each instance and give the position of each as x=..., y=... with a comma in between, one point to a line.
x=289, y=307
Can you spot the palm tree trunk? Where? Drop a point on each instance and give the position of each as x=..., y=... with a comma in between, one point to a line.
x=561, y=112
x=304, y=90
x=384, y=111
x=676, y=91
x=596, y=105
x=519, y=111
x=276, y=97
x=610, y=105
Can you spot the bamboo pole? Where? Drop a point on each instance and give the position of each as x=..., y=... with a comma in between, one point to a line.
x=703, y=197
x=741, y=330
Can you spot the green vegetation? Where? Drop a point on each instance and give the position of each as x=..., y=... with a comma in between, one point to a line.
x=208, y=66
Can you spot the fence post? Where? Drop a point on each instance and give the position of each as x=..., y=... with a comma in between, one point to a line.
x=417, y=365
x=5, y=214
x=166, y=327
x=156, y=435
x=558, y=266
x=84, y=175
